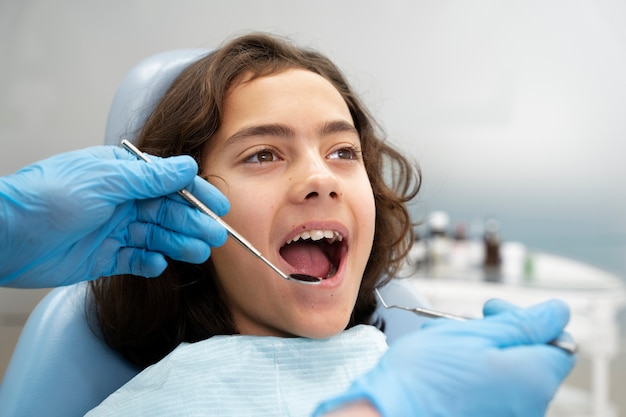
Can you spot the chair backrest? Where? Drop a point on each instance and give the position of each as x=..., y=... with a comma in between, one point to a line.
x=140, y=90
x=59, y=366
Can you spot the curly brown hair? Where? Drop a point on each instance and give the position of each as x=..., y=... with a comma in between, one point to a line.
x=145, y=319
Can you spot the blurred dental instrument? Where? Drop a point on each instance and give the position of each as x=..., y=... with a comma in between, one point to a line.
x=568, y=346
x=194, y=201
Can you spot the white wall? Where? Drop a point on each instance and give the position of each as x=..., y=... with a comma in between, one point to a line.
x=513, y=108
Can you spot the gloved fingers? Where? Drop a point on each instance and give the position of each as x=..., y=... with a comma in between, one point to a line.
x=552, y=364
x=179, y=218
x=537, y=324
x=137, y=179
x=533, y=374
x=512, y=326
x=496, y=306
x=138, y=262
x=173, y=245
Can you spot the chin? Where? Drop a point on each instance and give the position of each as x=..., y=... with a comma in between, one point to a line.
x=324, y=329
x=323, y=334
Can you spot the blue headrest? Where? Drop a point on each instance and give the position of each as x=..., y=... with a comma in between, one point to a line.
x=141, y=89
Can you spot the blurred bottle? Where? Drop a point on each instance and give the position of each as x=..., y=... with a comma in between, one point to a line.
x=529, y=267
x=438, y=239
x=460, y=231
x=492, y=260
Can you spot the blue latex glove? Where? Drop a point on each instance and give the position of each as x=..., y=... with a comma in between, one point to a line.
x=101, y=212
x=495, y=367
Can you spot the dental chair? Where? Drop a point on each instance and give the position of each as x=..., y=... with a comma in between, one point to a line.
x=59, y=366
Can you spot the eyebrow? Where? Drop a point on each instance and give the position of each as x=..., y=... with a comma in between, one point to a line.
x=337, y=126
x=262, y=130
x=280, y=130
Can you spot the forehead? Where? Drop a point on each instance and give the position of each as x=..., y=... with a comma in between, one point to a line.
x=293, y=86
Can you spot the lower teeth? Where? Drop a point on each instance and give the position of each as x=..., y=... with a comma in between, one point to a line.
x=331, y=272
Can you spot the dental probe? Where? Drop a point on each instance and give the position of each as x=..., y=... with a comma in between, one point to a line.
x=194, y=201
x=568, y=346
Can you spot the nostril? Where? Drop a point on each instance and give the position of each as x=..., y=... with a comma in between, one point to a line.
x=333, y=195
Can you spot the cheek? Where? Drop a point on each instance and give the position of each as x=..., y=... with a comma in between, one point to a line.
x=364, y=209
x=251, y=210
x=247, y=199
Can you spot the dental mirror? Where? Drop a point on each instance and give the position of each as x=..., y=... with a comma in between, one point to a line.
x=194, y=201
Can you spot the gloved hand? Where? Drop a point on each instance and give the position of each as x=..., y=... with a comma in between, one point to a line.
x=101, y=212
x=495, y=367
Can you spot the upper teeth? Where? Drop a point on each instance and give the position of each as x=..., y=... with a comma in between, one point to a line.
x=330, y=235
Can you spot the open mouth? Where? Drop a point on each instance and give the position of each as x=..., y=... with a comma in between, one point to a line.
x=314, y=252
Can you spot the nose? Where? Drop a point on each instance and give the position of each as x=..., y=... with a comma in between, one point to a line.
x=314, y=180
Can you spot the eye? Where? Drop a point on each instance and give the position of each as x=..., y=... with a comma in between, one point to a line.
x=263, y=155
x=348, y=152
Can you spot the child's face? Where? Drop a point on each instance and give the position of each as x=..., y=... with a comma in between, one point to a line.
x=287, y=157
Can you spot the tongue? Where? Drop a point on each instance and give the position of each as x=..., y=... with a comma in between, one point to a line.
x=307, y=258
